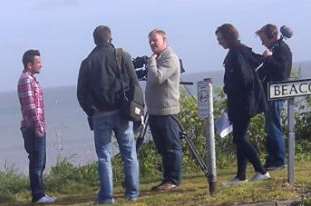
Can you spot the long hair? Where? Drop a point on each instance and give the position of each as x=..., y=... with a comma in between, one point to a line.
x=229, y=33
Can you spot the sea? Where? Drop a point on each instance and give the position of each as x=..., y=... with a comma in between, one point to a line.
x=68, y=133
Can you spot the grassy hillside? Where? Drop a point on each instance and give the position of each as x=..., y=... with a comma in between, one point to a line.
x=194, y=191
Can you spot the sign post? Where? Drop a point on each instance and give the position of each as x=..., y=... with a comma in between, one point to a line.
x=205, y=105
x=289, y=90
x=291, y=141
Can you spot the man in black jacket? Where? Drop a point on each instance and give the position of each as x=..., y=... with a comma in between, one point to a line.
x=277, y=67
x=100, y=88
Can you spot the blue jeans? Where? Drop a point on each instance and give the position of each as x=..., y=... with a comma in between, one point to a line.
x=36, y=149
x=275, y=136
x=104, y=125
x=166, y=135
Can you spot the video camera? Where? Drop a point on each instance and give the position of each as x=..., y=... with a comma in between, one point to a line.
x=140, y=65
x=140, y=62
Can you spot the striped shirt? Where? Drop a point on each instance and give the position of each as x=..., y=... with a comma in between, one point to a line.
x=31, y=99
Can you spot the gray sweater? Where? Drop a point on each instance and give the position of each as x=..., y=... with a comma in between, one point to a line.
x=162, y=89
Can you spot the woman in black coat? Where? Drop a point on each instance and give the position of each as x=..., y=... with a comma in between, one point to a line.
x=245, y=98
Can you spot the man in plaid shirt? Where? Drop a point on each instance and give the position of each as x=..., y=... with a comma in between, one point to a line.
x=33, y=125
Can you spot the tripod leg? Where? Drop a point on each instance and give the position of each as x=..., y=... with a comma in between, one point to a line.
x=196, y=156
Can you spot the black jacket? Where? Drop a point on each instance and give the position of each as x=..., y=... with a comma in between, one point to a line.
x=278, y=66
x=99, y=83
x=245, y=95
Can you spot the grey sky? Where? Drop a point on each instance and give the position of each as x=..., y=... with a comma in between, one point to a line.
x=62, y=30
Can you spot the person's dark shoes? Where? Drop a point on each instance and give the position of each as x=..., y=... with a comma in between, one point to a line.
x=275, y=167
x=165, y=187
x=154, y=188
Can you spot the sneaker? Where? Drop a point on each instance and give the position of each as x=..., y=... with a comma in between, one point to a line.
x=235, y=181
x=132, y=199
x=275, y=167
x=46, y=200
x=258, y=176
x=105, y=202
x=165, y=186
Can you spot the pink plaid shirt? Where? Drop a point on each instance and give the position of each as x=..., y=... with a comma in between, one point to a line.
x=31, y=99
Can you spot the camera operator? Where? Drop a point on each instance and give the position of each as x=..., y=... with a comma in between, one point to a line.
x=277, y=67
x=162, y=99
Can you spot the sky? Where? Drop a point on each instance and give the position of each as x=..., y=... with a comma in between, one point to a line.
x=62, y=31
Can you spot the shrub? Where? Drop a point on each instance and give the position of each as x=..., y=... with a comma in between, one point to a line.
x=11, y=183
x=64, y=175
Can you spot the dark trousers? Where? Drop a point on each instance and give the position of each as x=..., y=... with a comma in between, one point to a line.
x=36, y=149
x=245, y=151
x=166, y=135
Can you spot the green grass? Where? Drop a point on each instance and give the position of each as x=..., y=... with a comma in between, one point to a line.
x=11, y=183
x=193, y=191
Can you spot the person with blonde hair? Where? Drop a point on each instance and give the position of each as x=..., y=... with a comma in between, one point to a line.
x=277, y=67
x=162, y=100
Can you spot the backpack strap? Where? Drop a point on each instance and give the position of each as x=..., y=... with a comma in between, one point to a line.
x=119, y=58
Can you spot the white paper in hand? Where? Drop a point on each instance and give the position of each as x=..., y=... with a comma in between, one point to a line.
x=223, y=125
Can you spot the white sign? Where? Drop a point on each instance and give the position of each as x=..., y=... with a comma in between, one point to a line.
x=203, y=96
x=289, y=89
